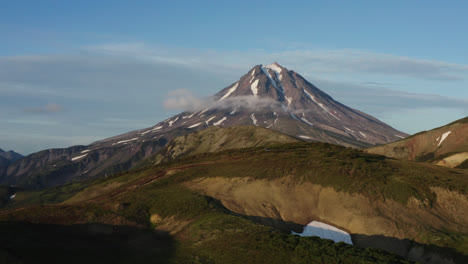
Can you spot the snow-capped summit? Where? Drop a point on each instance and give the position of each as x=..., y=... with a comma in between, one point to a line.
x=274, y=97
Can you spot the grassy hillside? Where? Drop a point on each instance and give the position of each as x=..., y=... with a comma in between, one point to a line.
x=239, y=205
x=215, y=139
x=445, y=146
x=190, y=228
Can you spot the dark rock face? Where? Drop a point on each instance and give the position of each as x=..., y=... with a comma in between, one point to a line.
x=10, y=155
x=269, y=96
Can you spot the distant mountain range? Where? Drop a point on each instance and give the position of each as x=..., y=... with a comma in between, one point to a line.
x=445, y=146
x=8, y=157
x=268, y=96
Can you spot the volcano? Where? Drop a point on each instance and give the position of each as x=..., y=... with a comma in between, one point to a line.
x=269, y=96
x=274, y=97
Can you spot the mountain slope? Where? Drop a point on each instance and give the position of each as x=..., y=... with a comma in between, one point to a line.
x=215, y=139
x=10, y=155
x=446, y=146
x=415, y=210
x=7, y=158
x=268, y=96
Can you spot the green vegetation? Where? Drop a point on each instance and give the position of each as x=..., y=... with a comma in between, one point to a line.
x=344, y=169
x=212, y=235
x=206, y=232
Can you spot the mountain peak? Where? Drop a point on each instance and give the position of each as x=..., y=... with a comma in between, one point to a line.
x=275, y=67
x=281, y=99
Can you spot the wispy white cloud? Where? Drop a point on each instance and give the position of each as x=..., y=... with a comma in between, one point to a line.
x=183, y=99
x=186, y=101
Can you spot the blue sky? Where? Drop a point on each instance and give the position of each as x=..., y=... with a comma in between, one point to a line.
x=72, y=72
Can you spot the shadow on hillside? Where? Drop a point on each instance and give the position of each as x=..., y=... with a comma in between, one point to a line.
x=411, y=250
x=85, y=243
x=404, y=247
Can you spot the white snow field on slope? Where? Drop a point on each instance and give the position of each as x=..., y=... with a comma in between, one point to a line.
x=197, y=124
x=79, y=157
x=254, y=87
x=254, y=120
x=322, y=230
x=273, y=67
x=125, y=141
x=219, y=122
x=230, y=91
x=444, y=136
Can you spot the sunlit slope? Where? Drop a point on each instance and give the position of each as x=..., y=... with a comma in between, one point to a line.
x=446, y=146
x=215, y=139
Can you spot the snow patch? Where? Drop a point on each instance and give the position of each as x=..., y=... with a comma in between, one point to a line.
x=277, y=70
x=203, y=111
x=156, y=128
x=362, y=134
x=289, y=99
x=444, y=136
x=79, y=157
x=278, y=87
x=173, y=121
x=125, y=141
x=404, y=137
x=230, y=91
x=209, y=119
x=350, y=130
x=190, y=116
x=305, y=137
x=254, y=87
x=274, y=67
x=197, y=124
x=85, y=151
x=146, y=132
x=322, y=230
x=307, y=121
x=233, y=112
x=254, y=120
x=220, y=121
x=13, y=196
